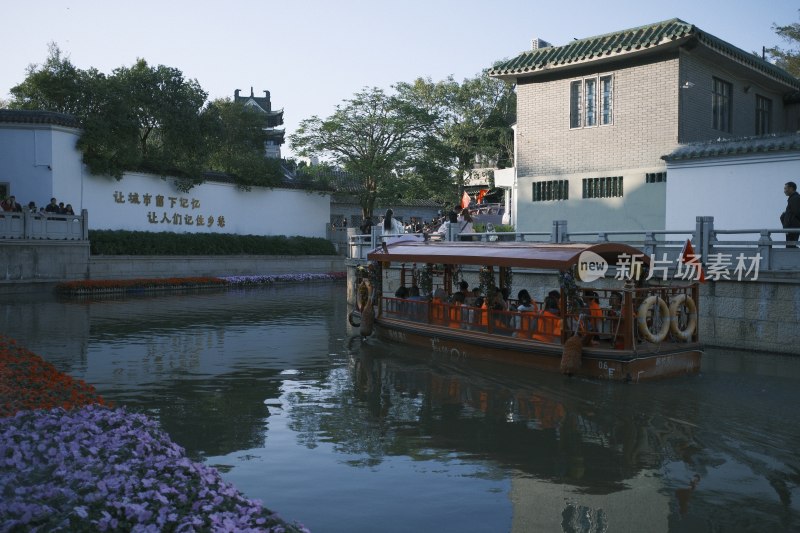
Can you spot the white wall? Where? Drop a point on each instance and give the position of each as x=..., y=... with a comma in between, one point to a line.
x=640, y=208
x=739, y=192
x=41, y=161
x=25, y=161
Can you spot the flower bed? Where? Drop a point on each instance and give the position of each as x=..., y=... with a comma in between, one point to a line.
x=29, y=382
x=84, y=466
x=92, y=287
x=283, y=278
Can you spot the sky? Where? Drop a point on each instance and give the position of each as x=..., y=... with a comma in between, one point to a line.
x=312, y=55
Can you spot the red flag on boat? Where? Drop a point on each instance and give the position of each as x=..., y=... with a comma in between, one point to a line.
x=465, y=199
x=481, y=194
x=688, y=257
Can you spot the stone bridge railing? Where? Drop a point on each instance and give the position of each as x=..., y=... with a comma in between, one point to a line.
x=44, y=226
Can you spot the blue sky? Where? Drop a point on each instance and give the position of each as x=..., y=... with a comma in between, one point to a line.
x=313, y=54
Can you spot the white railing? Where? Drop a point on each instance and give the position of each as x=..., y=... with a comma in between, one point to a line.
x=713, y=246
x=44, y=226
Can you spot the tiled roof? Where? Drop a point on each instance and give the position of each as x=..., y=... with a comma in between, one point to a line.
x=789, y=142
x=659, y=34
x=21, y=116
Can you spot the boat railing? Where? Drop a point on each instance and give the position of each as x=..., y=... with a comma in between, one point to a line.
x=518, y=324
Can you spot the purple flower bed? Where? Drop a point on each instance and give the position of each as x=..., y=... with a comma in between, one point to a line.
x=101, y=469
x=275, y=278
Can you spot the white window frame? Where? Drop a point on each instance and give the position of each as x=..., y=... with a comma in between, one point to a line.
x=587, y=103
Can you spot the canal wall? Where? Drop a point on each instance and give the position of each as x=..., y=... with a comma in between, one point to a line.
x=50, y=261
x=761, y=315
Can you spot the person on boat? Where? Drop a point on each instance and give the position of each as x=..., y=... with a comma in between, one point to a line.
x=476, y=314
x=392, y=226
x=418, y=305
x=455, y=310
x=525, y=322
x=614, y=318
x=548, y=328
x=463, y=288
x=437, y=306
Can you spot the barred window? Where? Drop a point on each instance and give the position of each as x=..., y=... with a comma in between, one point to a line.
x=721, y=105
x=656, y=177
x=606, y=187
x=763, y=115
x=550, y=190
x=590, y=98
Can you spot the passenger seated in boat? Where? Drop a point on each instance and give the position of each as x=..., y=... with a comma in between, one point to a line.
x=525, y=321
x=418, y=305
x=463, y=288
x=455, y=310
x=502, y=320
x=614, y=318
x=477, y=315
x=437, y=306
x=548, y=328
x=401, y=307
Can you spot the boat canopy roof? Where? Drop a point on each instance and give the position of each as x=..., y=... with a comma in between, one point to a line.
x=506, y=254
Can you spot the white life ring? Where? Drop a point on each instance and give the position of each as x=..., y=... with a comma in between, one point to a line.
x=686, y=333
x=363, y=295
x=641, y=319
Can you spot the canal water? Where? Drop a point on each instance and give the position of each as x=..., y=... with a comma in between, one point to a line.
x=271, y=386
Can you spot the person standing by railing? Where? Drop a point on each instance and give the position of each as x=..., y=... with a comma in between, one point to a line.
x=791, y=217
x=11, y=204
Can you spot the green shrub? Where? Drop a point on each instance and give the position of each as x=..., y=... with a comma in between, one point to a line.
x=119, y=242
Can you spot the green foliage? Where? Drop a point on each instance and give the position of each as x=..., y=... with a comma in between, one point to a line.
x=788, y=59
x=118, y=242
x=469, y=120
x=371, y=136
x=151, y=119
x=237, y=149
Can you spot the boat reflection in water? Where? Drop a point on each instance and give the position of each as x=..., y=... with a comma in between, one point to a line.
x=579, y=459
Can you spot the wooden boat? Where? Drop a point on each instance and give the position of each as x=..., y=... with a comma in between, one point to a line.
x=626, y=329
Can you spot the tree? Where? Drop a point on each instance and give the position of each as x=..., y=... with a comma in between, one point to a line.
x=371, y=136
x=471, y=121
x=236, y=142
x=789, y=60
x=56, y=85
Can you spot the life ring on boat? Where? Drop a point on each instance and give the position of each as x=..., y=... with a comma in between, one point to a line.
x=641, y=319
x=352, y=318
x=362, y=295
x=686, y=333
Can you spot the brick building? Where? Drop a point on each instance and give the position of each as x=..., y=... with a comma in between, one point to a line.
x=596, y=116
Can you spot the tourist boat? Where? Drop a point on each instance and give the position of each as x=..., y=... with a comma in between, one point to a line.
x=622, y=328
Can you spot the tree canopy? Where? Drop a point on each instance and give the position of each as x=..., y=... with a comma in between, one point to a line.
x=418, y=143
x=151, y=119
x=788, y=59
x=370, y=136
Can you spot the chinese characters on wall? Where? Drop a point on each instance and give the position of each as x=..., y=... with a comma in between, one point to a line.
x=164, y=203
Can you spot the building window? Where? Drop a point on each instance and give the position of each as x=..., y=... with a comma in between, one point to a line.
x=551, y=190
x=656, y=177
x=763, y=115
x=587, y=102
x=722, y=105
x=4, y=188
x=606, y=99
x=607, y=187
x=575, y=107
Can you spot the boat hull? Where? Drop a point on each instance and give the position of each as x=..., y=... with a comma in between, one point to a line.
x=648, y=363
